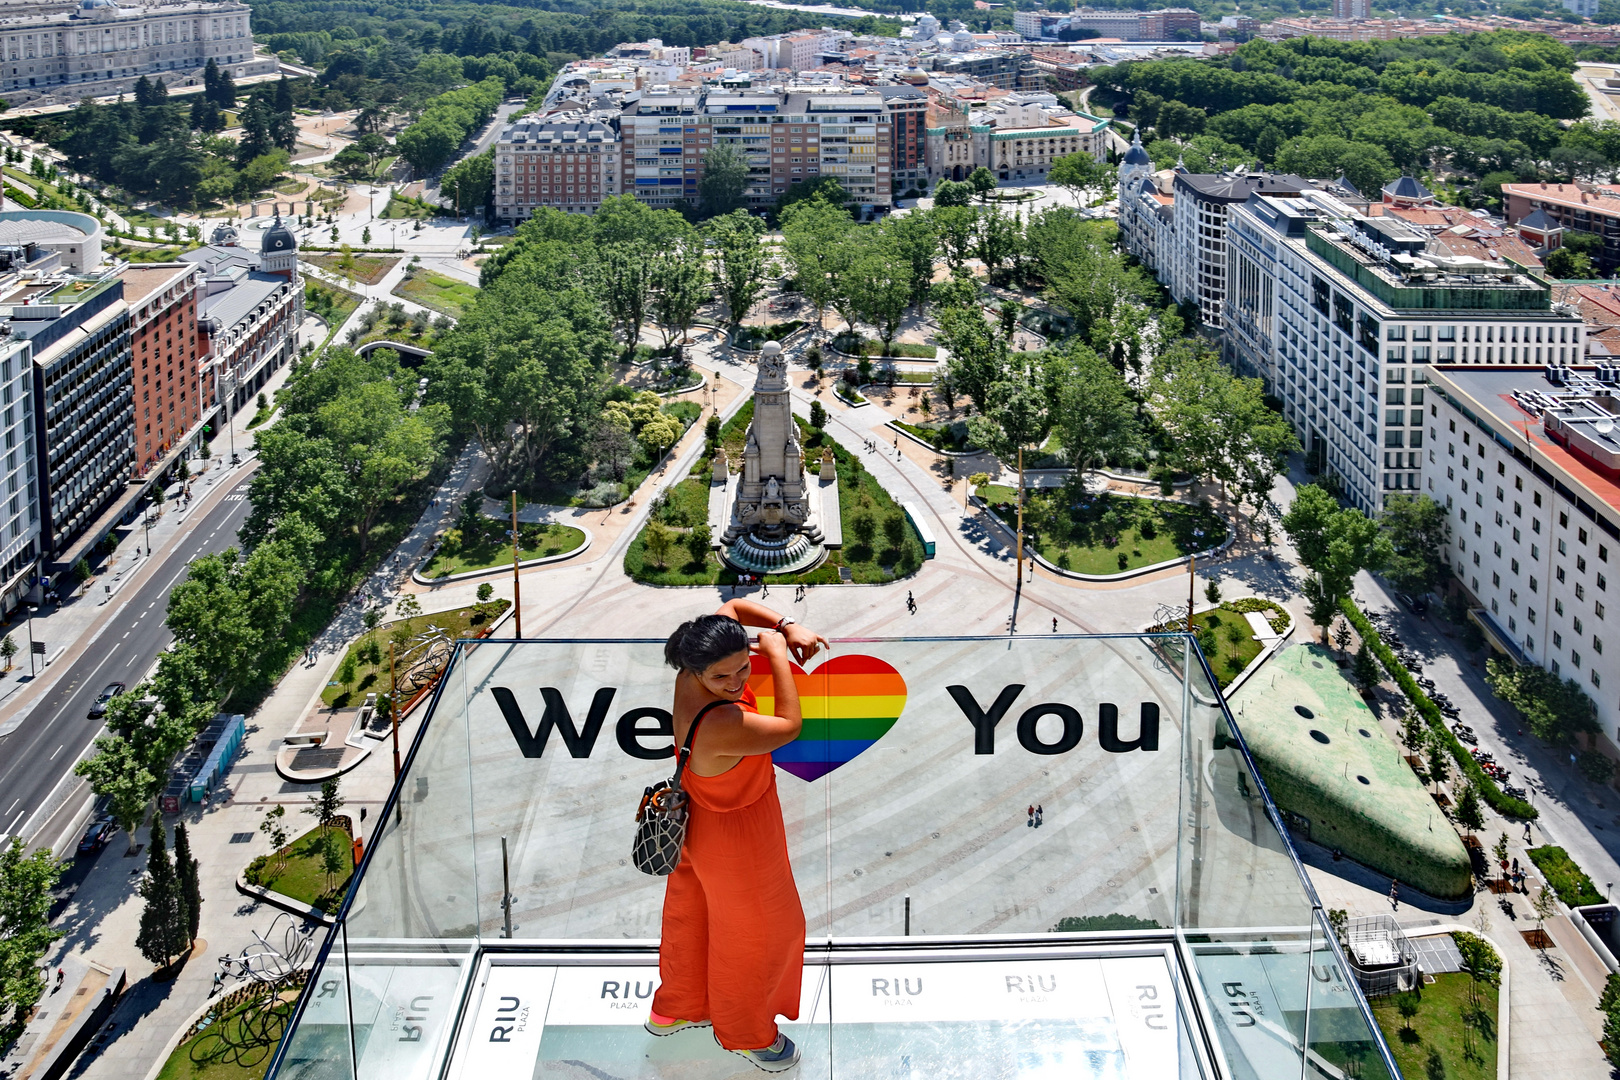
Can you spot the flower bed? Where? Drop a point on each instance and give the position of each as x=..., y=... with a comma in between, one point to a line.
x=1500, y=801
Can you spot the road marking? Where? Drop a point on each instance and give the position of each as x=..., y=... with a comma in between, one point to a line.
x=58, y=751
x=126, y=634
x=13, y=805
x=15, y=820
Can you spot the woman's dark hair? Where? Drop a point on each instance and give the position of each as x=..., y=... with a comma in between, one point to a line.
x=702, y=641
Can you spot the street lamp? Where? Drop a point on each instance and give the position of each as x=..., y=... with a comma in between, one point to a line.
x=31, y=609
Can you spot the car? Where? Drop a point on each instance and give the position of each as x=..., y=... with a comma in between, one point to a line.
x=1414, y=604
x=96, y=836
x=110, y=691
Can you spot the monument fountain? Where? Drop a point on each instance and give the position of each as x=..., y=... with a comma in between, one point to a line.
x=772, y=517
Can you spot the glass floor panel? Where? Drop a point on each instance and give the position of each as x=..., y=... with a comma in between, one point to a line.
x=1108, y=1018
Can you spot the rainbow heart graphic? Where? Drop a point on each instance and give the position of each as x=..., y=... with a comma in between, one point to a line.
x=848, y=703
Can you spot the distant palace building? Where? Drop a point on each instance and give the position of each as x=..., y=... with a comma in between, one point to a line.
x=99, y=47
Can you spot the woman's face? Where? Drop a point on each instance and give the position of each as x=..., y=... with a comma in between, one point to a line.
x=726, y=678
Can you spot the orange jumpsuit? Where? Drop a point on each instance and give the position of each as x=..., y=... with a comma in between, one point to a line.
x=732, y=949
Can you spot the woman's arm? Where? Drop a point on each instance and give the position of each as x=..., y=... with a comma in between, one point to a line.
x=740, y=732
x=802, y=642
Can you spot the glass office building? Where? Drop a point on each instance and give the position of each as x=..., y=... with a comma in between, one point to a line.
x=1155, y=924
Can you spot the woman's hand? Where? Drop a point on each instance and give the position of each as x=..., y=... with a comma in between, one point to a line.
x=802, y=641
x=772, y=644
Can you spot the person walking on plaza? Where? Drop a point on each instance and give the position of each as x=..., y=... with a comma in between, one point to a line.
x=731, y=953
x=1031, y=813
x=1394, y=895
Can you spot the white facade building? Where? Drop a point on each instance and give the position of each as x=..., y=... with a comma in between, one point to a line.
x=19, y=510
x=1342, y=314
x=1527, y=461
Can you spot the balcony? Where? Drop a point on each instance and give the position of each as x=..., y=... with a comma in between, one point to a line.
x=1156, y=925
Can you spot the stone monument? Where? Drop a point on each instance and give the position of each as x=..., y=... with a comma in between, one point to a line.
x=772, y=509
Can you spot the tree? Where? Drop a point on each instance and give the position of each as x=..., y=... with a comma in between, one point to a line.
x=979, y=357
x=273, y=826
x=952, y=193
x=1235, y=635
x=625, y=285
x=1468, y=812
x=658, y=540
x=1500, y=850
x=818, y=418
x=1439, y=764
x=409, y=607
x=486, y=592
x=864, y=529
x=816, y=235
x=1212, y=591
x=8, y=649
x=1093, y=412
x=324, y=804
x=1080, y=173
x=1413, y=731
x=347, y=670
x=333, y=860
x=916, y=242
x=26, y=884
x=82, y=573
x=723, y=186
x=681, y=286
x=999, y=239
x=164, y=920
x=659, y=434
x=1365, y=668
x=894, y=530
x=982, y=181
x=1556, y=710
x=879, y=285
x=1341, y=636
x=1333, y=543
x=1570, y=265
x=469, y=182
x=1545, y=905
x=1407, y=1003
x=185, y=872
x=743, y=265
x=1418, y=535
x=698, y=541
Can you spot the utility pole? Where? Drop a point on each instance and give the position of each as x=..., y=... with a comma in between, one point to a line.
x=1192, y=580
x=517, y=593
x=1018, y=541
x=393, y=706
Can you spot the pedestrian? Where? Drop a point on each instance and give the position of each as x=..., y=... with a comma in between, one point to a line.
x=766, y=591
x=1515, y=867
x=1527, y=832
x=1040, y=815
x=1054, y=626
x=1031, y=815
x=1395, y=895
x=60, y=976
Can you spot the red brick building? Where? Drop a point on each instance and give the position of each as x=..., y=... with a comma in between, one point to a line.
x=166, y=351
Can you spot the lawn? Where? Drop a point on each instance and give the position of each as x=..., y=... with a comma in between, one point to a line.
x=406, y=208
x=539, y=542
x=301, y=876
x=951, y=436
x=1447, y=1038
x=330, y=302
x=1567, y=879
x=229, y=1050
x=370, y=650
x=444, y=295
x=859, y=495
x=368, y=269
x=1109, y=533
x=847, y=343
x=1226, y=660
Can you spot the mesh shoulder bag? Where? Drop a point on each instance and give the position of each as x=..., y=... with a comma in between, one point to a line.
x=661, y=817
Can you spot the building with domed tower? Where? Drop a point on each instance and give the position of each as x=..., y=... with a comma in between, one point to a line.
x=92, y=48
x=250, y=306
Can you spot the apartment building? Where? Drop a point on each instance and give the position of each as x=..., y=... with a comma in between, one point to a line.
x=1527, y=461
x=907, y=110
x=1019, y=140
x=103, y=46
x=1342, y=314
x=1593, y=208
x=166, y=348
x=1352, y=9
x=569, y=163
x=19, y=476
x=1194, y=256
x=84, y=413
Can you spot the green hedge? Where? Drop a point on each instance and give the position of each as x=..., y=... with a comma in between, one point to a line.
x=1501, y=802
x=1567, y=879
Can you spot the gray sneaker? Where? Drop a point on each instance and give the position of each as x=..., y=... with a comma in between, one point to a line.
x=778, y=1057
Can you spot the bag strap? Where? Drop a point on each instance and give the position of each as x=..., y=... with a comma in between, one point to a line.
x=691, y=733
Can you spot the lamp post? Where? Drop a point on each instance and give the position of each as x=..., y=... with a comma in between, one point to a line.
x=31, y=609
x=229, y=380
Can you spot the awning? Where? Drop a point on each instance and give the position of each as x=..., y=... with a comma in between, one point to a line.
x=1499, y=639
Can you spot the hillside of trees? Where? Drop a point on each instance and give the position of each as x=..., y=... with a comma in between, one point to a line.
x=1474, y=111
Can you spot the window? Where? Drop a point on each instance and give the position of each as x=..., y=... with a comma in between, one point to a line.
x=1563, y=521
x=1514, y=565
x=1559, y=573
x=1476, y=529
x=1535, y=525
x=1563, y=549
x=1530, y=613
x=1497, y=550
x=1534, y=584
x=1580, y=564
x=1558, y=609
x=1580, y=591
x=1575, y=657
x=1536, y=498
x=1576, y=623
x=1558, y=640
x=1597, y=645
x=1580, y=534
x=1515, y=536
x=1513, y=597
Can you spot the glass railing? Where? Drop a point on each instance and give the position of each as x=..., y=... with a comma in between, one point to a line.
x=908, y=806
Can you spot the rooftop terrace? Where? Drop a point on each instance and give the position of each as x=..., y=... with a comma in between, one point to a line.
x=1156, y=924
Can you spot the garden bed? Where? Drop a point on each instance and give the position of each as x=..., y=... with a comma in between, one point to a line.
x=1564, y=876
x=368, y=269
x=302, y=877
x=458, y=554
x=442, y=294
x=952, y=437
x=1107, y=534
x=371, y=649
x=753, y=338
x=850, y=345
x=236, y=1045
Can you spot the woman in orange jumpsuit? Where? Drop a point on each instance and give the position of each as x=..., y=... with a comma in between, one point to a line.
x=732, y=952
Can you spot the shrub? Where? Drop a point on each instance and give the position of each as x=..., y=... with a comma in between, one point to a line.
x=604, y=494
x=254, y=874
x=1567, y=879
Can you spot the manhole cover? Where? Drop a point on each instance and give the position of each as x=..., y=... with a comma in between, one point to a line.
x=1303, y=711
x=1319, y=737
x=1365, y=734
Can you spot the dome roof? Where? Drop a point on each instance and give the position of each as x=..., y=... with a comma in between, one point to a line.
x=1137, y=154
x=278, y=238
x=223, y=235
x=1406, y=187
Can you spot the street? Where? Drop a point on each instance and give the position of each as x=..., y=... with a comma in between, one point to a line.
x=58, y=731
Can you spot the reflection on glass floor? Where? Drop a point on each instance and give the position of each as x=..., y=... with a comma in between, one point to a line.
x=1109, y=1018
